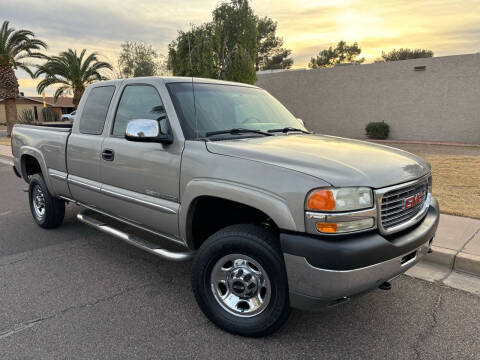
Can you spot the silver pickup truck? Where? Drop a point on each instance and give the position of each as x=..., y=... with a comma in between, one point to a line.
x=274, y=216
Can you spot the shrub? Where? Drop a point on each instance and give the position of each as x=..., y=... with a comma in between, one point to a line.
x=26, y=117
x=49, y=115
x=377, y=130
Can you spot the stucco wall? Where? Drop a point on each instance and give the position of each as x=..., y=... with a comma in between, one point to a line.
x=441, y=103
x=3, y=118
x=23, y=105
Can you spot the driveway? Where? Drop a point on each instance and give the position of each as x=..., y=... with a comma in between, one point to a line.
x=79, y=294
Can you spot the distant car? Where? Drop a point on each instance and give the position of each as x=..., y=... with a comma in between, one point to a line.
x=69, y=117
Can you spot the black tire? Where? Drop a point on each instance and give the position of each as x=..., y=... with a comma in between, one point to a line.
x=260, y=245
x=53, y=208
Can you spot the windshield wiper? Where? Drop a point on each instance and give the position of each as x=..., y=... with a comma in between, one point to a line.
x=237, y=131
x=288, y=129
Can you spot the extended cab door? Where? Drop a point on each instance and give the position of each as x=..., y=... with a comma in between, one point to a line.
x=85, y=145
x=141, y=179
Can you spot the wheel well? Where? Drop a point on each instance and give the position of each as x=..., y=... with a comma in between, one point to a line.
x=208, y=214
x=30, y=166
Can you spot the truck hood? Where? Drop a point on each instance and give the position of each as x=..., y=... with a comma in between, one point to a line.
x=338, y=161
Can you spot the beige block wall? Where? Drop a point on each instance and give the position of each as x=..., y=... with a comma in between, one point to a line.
x=20, y=109
x=441, y=103
x=3, y=117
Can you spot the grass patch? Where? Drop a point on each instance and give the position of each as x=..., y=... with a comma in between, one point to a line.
x=456, y=176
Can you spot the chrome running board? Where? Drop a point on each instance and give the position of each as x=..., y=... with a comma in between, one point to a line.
x=135, y=240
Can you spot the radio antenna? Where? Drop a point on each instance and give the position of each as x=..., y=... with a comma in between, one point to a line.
x=193, y=87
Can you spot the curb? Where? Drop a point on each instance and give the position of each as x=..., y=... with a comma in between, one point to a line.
x=6, y=159
x=442, y=256
x=454, y=261
x=468, y=263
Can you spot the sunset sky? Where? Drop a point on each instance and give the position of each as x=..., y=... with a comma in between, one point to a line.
x=447, y=27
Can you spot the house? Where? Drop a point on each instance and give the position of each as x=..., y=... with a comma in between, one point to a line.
x=34, y=105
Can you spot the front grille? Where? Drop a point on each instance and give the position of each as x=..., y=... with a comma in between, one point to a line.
x=393, y=212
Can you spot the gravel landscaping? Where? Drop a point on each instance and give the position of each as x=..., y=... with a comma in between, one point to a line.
x=456, y=176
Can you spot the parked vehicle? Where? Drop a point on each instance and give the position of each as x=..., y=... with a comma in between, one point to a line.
x=69, y=117
x=275, y=217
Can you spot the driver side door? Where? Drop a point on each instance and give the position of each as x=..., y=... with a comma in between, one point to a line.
x=141, y=179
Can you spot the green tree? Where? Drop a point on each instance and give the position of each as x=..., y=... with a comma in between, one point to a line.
x=225, y=48
x=342, y=53
x=140, y=59
x=270, y=51
x=15, y=47
x=235, y=34
x=193, y=54
x=405, y=54
x=72, y=72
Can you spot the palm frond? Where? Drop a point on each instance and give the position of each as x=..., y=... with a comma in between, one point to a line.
x=74, y=70
x=59, y=92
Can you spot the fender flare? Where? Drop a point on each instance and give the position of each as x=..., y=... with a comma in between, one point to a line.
x=271, y=204
x=37, y=154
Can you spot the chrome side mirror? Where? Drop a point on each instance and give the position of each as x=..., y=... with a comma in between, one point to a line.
x=148, y=130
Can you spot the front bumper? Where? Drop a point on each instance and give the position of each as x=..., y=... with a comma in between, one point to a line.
x=322, y=270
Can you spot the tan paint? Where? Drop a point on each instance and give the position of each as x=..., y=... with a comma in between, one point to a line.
x=440, y=103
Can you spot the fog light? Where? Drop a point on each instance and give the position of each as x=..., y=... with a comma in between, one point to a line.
x=345, y=226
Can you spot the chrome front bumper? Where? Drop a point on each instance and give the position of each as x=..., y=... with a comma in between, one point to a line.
x=314, y=286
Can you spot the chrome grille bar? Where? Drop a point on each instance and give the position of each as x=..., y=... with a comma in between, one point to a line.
x=393, y=214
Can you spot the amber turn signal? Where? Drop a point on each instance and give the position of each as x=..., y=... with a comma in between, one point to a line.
x=321, y=200
x=326, y=227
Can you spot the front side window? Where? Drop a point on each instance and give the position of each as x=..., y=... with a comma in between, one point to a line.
x=137, y=102
x=206, y=108
x=95, y=110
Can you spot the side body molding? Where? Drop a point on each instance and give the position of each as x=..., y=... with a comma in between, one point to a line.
x=272, y=205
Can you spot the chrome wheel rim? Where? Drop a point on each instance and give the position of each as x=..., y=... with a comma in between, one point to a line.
x=240, y=285
x=38, y=201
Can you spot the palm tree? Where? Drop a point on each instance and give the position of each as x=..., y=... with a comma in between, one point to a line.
x=15, y=47
x=72, y=72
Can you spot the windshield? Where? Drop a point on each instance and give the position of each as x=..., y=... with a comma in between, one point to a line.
x=222, y=107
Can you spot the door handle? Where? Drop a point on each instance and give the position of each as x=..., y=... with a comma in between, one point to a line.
x=108, y=155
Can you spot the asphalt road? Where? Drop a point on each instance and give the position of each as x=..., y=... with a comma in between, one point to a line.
x=78, y=294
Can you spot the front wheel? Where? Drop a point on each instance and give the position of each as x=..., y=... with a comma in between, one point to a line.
x=239, y=281
x=48, y=212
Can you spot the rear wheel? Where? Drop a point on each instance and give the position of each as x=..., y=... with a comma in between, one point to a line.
x=48, y=212
x=239, y=281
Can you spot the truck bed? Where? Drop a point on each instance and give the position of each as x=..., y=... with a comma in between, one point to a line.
x=50, y=142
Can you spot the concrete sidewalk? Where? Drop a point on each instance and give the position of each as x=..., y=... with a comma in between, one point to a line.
x=457, y=244
x=455, y=260
x=5, y=152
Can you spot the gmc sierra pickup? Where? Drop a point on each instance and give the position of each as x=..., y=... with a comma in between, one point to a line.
x=274, y=216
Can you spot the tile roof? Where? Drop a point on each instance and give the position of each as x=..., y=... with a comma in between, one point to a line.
x=61, y=101
x=64, y=102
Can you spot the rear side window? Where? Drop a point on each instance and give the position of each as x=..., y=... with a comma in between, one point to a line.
x=95, y=110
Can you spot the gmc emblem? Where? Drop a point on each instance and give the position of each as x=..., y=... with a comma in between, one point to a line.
x=412, y=200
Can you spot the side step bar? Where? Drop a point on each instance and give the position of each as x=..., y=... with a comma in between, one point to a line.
x=135, y=240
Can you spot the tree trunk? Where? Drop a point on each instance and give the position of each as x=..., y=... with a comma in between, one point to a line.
x=9, y=92
x=11, y=112
x=77, y=96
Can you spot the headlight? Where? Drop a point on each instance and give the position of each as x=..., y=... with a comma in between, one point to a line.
x=340, y=199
